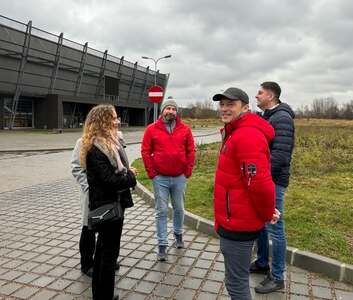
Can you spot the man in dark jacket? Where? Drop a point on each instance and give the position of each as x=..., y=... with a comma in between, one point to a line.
x=168, y=153
x=280, y=116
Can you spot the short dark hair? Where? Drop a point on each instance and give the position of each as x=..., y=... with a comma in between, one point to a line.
x=273, y=87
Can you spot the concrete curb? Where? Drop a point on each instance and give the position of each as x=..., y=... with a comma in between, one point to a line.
x=302, y=259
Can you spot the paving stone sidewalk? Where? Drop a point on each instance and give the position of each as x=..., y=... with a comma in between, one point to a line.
x=39, y=258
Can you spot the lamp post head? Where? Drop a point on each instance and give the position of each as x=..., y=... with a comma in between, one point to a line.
x=167, y=56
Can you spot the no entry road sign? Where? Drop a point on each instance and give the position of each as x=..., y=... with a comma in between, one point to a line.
x=155, y=94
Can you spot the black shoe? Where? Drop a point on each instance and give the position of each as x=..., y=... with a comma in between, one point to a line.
x=162, y=253
x=254, y=268
x=178, y=243
x=269, y=285
x=88, y=272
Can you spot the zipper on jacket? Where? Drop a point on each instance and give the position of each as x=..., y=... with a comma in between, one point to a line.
x=228, y=206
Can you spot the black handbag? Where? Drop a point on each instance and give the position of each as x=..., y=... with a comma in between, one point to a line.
x=105, y=214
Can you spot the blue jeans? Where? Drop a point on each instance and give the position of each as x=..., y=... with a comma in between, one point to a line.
x=165, y=187
x=278, y=237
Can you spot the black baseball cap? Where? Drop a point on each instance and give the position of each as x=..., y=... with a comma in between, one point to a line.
x=232, y=93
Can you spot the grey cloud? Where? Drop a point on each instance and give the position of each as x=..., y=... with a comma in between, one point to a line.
x=304, y=45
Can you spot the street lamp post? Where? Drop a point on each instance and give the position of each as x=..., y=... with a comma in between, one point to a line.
x=155, y=105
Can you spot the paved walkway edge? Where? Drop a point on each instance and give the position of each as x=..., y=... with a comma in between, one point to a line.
x=58, y=149
x=302, y=259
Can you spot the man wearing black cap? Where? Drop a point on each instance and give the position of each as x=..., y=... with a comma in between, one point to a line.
x=244, y=194
x=280, y=116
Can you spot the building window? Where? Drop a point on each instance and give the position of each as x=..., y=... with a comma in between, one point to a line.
x=24, y=112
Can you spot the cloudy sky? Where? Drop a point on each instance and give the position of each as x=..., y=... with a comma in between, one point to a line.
x=306, y=46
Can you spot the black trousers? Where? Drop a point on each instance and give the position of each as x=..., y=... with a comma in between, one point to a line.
x=107, y=251
x=87, y=247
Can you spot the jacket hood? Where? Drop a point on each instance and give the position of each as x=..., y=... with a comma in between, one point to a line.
x=252, y=120
x=282, y=106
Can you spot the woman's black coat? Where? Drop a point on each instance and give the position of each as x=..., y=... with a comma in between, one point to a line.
x=105, y=183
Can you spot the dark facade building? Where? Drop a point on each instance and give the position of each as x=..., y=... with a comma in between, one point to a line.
x=47, y=81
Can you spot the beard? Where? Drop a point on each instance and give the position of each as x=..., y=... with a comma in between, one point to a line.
x=170, y=117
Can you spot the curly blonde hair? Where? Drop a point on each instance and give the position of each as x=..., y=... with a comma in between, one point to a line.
x=99, y=127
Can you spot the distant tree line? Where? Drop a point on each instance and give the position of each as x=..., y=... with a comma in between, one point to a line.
x=326, y=108
x=200, y=110
x=322, y=108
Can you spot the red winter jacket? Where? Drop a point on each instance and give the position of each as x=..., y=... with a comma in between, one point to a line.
x=169, y=154
x=244, y=193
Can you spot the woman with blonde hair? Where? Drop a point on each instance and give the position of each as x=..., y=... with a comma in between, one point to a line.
x=110, y=179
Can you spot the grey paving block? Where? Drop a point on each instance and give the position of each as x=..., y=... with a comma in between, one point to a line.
x=197, y=246
x=25, y=292
x=145, y=287
x=13, y=264
x=299, y=277
x=146, y=264
x=295, y=297
x=73, y=274
x=344, y=295
x=322, y=292
x=58, y=271
x=278, y=296
x=9, y=288
x=64, y=297
x=77, y=288
x=136, y=296
x=42, y=281
x=162, y=267
x=127, y=283
x=343, y=286
x=44, y=294
x=205, y=295
x=186, y=261
x=192, y=283
x=180, y=270
x=208, y=255
x=203, y=264
x=172, y=279
x=216, y=276
x=164, y=290
x=27, y=278
x=198, y=273
x=299, y=289
x=219, y=266
x=212, y=286
x=136, y=273
x=192, y=253
x=10, y=275
x=317, y=281
x=60, y=284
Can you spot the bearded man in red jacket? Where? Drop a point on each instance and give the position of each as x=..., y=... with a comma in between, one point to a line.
x=168, y=153
x=244, y=193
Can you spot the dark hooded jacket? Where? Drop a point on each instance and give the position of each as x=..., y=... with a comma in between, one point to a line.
x=281, y=119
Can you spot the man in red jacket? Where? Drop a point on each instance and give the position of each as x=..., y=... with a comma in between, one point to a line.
x=244, y=193
x=168, y=153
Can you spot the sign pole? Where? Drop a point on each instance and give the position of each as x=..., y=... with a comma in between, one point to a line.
x=155, y=111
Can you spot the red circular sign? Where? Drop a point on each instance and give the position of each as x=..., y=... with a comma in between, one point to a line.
x=155, y=94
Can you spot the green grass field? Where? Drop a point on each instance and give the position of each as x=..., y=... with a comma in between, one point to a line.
x=319, y=200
